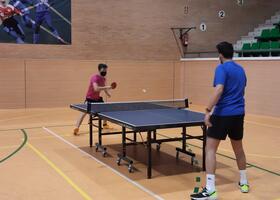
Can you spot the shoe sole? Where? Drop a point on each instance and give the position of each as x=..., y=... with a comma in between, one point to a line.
x=242, y=191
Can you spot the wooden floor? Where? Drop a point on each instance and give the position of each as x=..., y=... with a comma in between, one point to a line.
x=41, y=159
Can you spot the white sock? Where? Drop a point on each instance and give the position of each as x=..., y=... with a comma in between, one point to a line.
x=243, y=177
x=210, y=182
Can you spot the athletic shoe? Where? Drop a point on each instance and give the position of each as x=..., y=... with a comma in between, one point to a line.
x=204, y=195
x=106, y=126
x=244, y=188
x=76, y=131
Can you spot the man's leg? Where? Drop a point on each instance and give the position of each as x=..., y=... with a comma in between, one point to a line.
x=27, y=21
x=209, y=192
x=105, y=124
x=48, y=20
x=78, y=123
x=13, y=34
x=12, y=27
x=38, y=22
x=239, y=153
x=211, y=149
x=17, y=28
x=241, y=163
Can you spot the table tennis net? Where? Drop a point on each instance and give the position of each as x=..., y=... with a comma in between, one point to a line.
x=137, y=105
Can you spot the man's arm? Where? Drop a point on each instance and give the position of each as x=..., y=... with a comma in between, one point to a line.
x=101, y=88
x=215, y=97
x=212, y=102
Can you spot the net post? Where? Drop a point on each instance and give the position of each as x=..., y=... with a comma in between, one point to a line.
x=187, y=103
x=88, y=107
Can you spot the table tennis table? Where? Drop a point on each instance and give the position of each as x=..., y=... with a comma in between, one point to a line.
x=145, y=116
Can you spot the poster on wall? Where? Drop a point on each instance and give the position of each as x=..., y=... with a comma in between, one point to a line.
x=35, y=21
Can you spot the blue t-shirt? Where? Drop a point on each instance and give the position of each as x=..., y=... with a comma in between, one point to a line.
x=232, y=76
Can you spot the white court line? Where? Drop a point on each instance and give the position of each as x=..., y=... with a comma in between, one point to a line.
x=105, y=165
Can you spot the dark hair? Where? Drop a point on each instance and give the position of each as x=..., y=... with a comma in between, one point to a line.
x=101, y=66
x=226, y=49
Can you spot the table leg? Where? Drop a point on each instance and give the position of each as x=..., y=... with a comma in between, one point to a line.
x=149, y=152
x=90, y=131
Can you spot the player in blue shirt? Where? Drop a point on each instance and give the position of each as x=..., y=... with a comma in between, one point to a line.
x=43, y=15
x=227, y=119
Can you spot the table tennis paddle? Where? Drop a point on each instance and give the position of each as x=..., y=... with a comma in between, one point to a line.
x=113, y=85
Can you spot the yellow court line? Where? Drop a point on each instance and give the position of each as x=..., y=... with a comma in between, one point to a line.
x=59, y=171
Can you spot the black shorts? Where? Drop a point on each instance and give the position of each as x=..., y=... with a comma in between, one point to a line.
x=12, y=24
x=100, y=100
x=226, y=125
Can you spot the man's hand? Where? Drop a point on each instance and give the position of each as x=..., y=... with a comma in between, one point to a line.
x=17, y=11
x=207, y=119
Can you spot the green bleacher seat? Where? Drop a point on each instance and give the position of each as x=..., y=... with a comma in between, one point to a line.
x=255, y=47
x=246, y=47
x=275, y=47
x=264, y=46
x=265, y=34
x=268, y=44
x=275, y=34
x=269, y=35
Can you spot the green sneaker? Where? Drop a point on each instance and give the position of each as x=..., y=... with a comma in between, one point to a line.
x=244, y=188
x=204, y=195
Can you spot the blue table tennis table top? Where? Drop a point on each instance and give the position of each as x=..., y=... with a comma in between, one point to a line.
x=143, y=117
x=154, y=118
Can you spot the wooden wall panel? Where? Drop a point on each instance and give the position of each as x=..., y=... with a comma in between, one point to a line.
x=156, y=78
x=12, y=83
x=179, y=81
x=55, y=83
x=262, y=92
x=198, y=80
